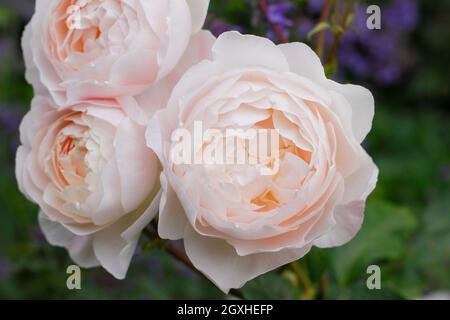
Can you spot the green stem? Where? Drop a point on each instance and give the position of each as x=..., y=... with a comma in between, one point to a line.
x=303, y=277
x=320, y=44
x=344, y=24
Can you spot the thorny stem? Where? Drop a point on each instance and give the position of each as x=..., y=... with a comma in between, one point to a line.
x=263, y=7
x=321, y=36
x=152, y=234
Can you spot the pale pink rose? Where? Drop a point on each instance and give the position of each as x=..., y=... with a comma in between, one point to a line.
x=236, y=222
x=82, y=49
x=95, y=181
x=143, y=106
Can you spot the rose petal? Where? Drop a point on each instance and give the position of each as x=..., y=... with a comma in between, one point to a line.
x=363, y=107
x=221, y=264
x=199, y=9
x=114, y=247
x=80, y=248
x=129, y=144
x=303, y=61
x=172, y=220
x=253, y=52
x=177, y=39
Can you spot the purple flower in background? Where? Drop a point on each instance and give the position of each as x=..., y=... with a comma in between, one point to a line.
x=382, y=55
x=277, y=13
x=401, y=15
x=272, y=35
x=218, y=26
x=360, y=21
x=372, y=55
x=9, y=119
x=354, y=61
x=388, y=74
x=382, y=44
x=314, y=6
x=304, y=27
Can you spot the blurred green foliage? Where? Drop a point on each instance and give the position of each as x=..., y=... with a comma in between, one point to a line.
x=405, y=232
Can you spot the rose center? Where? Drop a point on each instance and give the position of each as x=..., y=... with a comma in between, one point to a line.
x=70, y=160
x=76, y=161
x=82, y=15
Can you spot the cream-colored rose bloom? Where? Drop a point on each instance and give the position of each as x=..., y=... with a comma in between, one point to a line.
x=236, y=222
x=82, y=49
x=96, y=183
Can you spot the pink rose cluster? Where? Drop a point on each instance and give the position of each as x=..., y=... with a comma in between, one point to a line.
x=116, y=80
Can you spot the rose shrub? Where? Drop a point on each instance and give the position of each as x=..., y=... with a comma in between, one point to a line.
x=104, y=71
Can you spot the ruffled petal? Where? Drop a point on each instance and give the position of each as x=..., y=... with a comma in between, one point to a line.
x=114, y=247
x=221, y=264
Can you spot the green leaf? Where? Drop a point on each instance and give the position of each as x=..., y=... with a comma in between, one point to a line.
x=319, y=27
x=384, y=235
x=358, y=291
x=349, y=19
x=431, y=253
x=7, y=17
x=337, y=29
x=330, y=68
x=269, y=286
x=404, y=281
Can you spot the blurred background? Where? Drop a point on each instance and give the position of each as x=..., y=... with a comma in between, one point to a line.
x=407, y=226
